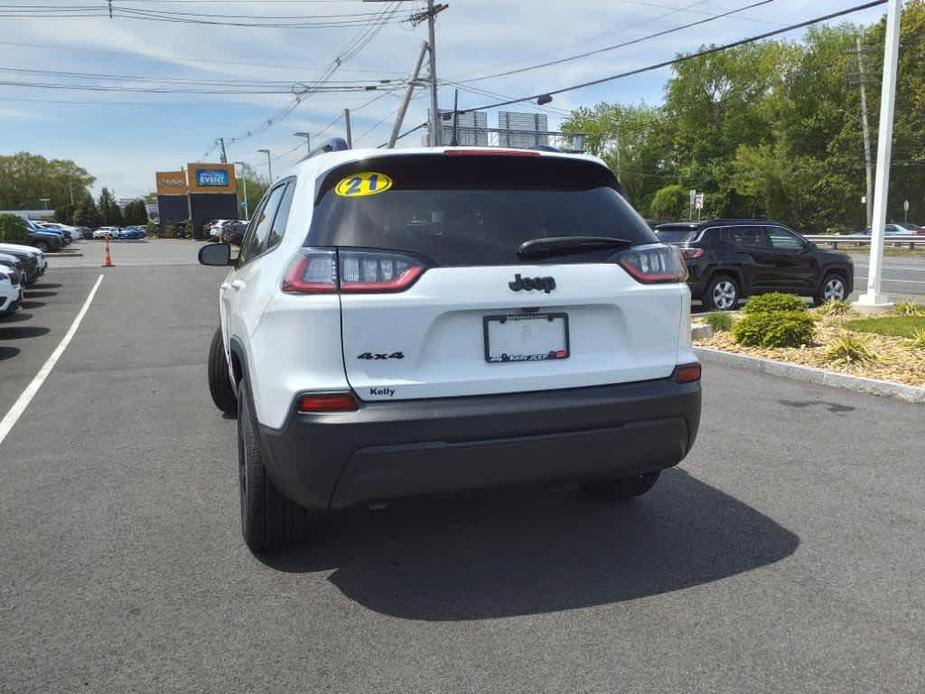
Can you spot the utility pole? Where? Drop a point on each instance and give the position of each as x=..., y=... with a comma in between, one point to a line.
x=400, y=117
x=868, y=162
x=224, y=159
x=872, y=299
x=432, y=40
x=349, y=132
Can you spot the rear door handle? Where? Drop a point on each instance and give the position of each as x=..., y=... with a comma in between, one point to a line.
x=237, y=285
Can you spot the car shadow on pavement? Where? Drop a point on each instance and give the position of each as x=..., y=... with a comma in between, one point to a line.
x=18, y=333
x=32, y=294
x=43, y=285
x=17, y=317
x=544, y=550
x=29, y=305
x=8, y=352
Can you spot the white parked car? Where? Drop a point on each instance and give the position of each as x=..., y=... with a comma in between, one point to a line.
x=10, y=290
x=412, y=321
x=103, y=232
x=35, y=259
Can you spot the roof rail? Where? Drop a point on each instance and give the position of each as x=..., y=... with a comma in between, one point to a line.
x=335, y=144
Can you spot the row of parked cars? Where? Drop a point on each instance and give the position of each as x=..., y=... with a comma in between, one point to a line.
x=20, y=267
x=226, y=230
x=129, y=232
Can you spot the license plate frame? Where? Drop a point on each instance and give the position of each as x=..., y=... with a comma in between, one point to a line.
x=504, y=358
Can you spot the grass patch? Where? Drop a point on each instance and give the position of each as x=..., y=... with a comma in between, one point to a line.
x=847, y=350
x=908, y=308
x=719, y=320
x=918, y=339
x=834, y=307
x=891, y=326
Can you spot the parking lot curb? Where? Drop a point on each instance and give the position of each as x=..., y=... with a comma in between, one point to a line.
x=812, y=375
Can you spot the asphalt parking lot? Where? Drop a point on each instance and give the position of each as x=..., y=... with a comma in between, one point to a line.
x=786, y=554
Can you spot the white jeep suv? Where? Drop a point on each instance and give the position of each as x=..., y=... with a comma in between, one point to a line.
x=10, y=290
x=403, y=322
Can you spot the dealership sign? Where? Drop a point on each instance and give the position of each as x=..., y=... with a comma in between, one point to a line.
x=211, y=178
x=171, y=182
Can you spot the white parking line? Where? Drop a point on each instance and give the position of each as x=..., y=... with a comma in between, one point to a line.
x=22, y=402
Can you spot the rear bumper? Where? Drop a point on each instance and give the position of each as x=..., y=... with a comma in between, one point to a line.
x=394, y=449
x=9, y=304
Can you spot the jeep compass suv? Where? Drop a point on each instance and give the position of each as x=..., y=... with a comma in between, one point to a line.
x=414, y=321
x=729, y=259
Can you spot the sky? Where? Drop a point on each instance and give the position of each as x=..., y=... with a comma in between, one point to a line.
x=123, y=137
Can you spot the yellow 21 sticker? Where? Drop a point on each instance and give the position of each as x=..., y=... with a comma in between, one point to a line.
x=364, y=183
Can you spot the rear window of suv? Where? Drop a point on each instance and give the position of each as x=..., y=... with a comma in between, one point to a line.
x=676, y=234
x=474, y=210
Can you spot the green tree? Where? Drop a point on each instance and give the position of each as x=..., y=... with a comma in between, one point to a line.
x=670, y=203
x=26, y=178
x=256, y=187
x=13, y=228
x=107, y=207
x=87, y=214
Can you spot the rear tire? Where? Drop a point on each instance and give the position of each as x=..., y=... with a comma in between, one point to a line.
x=42, y=246
x=220, y=386
x=268, y=519
x=833, y=287
x=621, y=489
x=722, y=294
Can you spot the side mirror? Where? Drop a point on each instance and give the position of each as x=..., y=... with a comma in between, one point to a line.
x=810, y=246
x=215, y=254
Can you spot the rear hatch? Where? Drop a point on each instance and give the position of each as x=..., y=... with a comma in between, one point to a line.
x=440, y=297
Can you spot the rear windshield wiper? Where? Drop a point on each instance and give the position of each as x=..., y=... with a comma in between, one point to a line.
x=562, y=245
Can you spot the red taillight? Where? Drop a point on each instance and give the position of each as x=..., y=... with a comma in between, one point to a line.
x=492, y=152
x=654, y=264
x=687, y=373
x=326, y=271
x=692, y=253
x=327, y=402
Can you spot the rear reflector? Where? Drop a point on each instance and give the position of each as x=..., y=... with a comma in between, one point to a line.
x=491, y=152
x=327, y=402
x=687, y=373
x=654, y=264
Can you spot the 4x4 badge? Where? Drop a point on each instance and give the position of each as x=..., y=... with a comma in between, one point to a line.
x=547, y=284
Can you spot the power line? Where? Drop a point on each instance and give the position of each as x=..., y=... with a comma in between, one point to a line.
x=624, y=44
x=684, y=58
x=353, y=47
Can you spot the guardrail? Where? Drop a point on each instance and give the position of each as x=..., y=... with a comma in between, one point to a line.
x=909, y=240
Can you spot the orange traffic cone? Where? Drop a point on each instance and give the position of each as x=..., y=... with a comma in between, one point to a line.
x=107, y=258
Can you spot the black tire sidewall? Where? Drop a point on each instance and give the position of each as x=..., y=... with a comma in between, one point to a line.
x=220, y=386
x=819, y=299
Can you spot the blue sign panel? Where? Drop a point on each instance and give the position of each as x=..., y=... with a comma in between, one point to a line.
x=217, y=178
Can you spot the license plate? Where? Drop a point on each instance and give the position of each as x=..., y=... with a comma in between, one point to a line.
x=526, y=337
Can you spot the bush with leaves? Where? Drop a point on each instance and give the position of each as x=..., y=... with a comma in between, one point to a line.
x=775, y=329
x=834, y=307
x=13, y=228
x=847, y=350
x=169, y=231
x=151, y=230
x=773, y=303
x=917, y=340
x=719, y=320
x=908, y=308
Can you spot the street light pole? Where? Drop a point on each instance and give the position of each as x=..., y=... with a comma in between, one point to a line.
x=432, y=40
x=269, y=164
x=873, y=299
x=247, y=215
x=308, y=140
